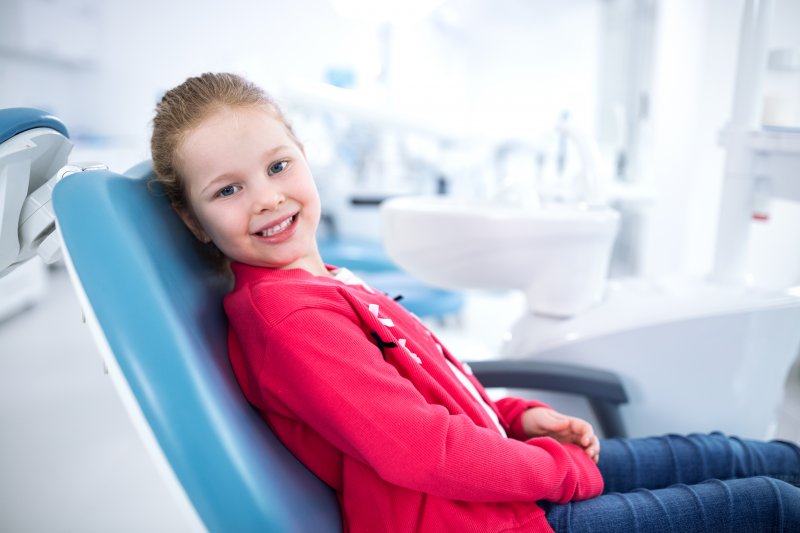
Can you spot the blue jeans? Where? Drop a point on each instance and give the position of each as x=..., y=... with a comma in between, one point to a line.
x=702, y=483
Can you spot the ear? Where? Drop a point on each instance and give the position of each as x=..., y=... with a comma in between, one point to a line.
x=191, y=222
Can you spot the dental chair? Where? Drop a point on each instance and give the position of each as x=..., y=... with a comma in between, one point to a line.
x=156, y=314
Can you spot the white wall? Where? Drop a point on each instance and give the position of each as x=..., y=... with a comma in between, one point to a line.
x=523, y=63
x=152, y=46
x=693, y=76
x=507, y=68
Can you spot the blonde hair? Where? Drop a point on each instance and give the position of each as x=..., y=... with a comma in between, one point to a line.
x=182, y=109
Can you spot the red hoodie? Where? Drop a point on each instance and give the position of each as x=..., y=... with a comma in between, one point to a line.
x=360, y=391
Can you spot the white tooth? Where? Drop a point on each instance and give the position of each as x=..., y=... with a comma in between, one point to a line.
x=276, y=229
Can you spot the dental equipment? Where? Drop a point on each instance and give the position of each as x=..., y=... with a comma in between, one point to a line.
x=33, y=158
x=585, y=187
x=556, y=249
x=758, y=161
x=34, y=148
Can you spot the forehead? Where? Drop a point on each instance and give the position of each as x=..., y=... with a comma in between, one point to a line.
x=227, y=137
x=239, y=123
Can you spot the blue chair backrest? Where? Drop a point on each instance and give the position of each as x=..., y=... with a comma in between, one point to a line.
x=159, y=307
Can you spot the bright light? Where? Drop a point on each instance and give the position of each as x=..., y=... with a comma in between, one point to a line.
x=381, y=11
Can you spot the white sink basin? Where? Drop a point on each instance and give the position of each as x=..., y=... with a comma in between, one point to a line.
x=558, y=256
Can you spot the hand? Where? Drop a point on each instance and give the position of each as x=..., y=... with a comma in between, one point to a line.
x=544, y=422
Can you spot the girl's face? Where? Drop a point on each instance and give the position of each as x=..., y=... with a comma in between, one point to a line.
x=249, y=190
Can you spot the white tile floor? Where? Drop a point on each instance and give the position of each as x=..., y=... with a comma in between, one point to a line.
x=69, y=457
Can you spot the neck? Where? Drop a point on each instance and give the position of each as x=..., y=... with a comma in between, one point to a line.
x=314, y=265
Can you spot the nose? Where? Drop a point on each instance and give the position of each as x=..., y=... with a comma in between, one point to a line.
x=266, y=196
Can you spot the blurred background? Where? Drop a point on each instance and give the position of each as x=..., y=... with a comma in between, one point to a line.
x=389, y=98
x=392, y=96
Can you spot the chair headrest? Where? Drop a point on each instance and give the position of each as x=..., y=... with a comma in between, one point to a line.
x=15, y=120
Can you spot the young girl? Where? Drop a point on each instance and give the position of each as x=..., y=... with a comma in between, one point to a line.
x=370, y=400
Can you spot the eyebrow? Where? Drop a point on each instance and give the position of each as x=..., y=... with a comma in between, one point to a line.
x=224, y=177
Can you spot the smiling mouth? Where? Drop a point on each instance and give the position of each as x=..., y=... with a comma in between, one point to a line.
x=274, y=230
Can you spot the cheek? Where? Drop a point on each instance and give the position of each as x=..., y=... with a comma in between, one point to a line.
x=313, y=208
x=311, y=195
x=215, y=221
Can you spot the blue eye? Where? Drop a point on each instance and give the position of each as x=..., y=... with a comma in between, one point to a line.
x=228, y=190
x=277, y=167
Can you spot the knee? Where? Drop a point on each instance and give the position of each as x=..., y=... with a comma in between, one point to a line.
x=787, y=492
x=778, y=500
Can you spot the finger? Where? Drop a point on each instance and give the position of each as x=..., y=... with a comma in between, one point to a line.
x=569, y=432
x=594, y=450
x=586, y=432
x=592, y=453
x=591, y=446
x=555, y=423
